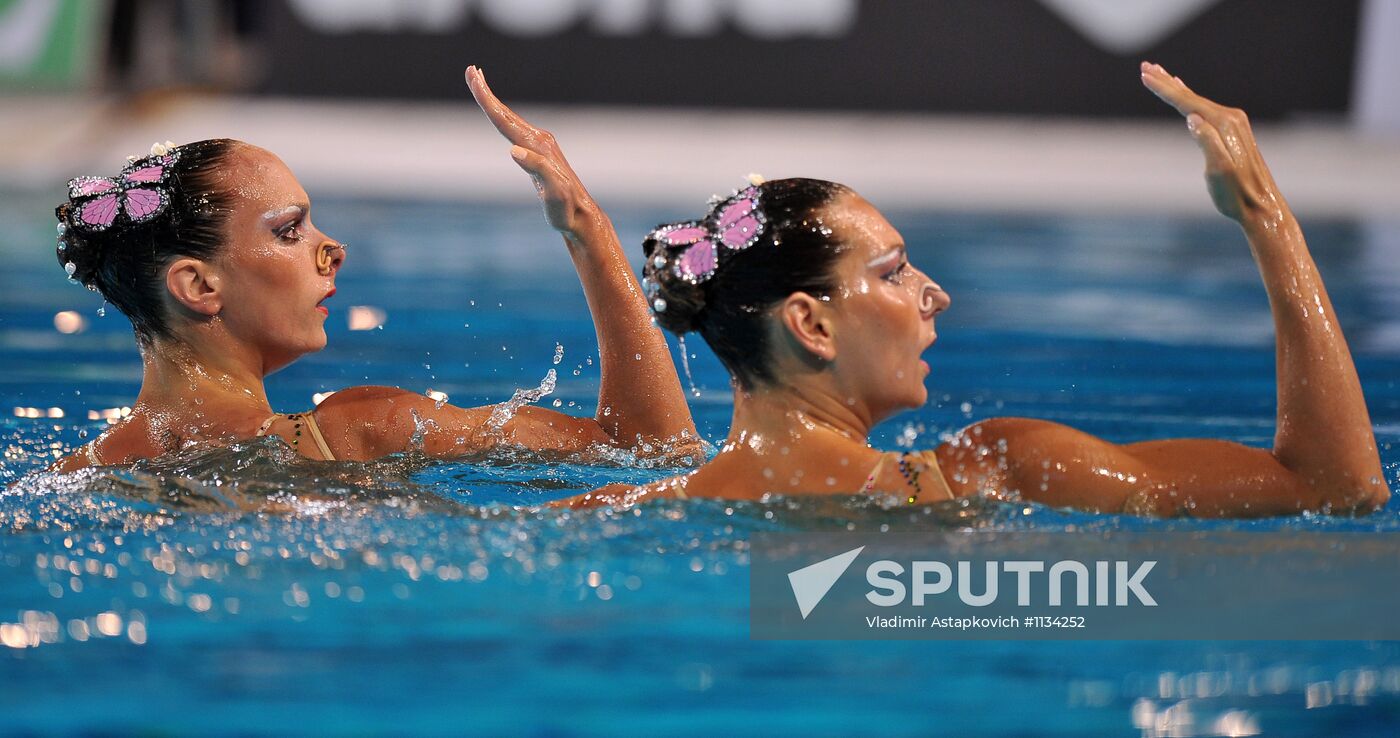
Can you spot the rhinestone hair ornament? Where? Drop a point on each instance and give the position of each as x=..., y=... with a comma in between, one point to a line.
x=139, y=194
x=695, y=246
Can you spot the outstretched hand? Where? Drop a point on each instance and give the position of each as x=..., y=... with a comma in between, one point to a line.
x=1239, y=181
x=567, y=205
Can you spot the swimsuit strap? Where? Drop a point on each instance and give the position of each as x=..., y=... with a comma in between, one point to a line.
x=927, y=459
x=316, y=436
x=299, y=420
x=874, y=475
x=940, y=482
x=262, y=429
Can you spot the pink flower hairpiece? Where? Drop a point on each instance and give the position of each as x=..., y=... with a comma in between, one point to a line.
x=734, y=226
x=139, y=192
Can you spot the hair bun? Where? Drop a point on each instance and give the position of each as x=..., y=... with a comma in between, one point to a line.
x=677, y=303
x=720, y=275
x=77, y=253
x=115, y=234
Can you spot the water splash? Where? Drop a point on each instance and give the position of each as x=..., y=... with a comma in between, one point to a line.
x=507, y=410
x=421, y=427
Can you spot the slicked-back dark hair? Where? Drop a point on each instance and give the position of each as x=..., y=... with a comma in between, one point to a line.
x=795, y=252
x=126, y=263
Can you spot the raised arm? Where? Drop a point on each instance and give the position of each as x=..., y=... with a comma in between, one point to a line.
x=640, y=394
x=640, y=402
x=1324, y=455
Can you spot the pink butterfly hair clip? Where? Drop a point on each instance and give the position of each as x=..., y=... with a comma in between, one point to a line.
x=139, y=192
x=734, y=225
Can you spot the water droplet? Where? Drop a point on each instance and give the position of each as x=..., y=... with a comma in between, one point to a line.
x=71, y=268
x=685, y=364
x=558, y=352
x=659, y=305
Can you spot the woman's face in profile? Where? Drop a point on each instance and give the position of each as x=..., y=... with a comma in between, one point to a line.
x=884, y=311
x=271, y=283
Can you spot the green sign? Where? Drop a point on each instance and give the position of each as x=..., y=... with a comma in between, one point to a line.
x=49, y=44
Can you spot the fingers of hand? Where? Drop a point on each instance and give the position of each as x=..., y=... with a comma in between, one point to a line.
x=511, y=125
x=1175, y=93
x=1172, y=91
x=538, y=165
x=1218, y=158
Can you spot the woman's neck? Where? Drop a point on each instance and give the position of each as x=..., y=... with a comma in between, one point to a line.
x=775, y=418
x=175, y=380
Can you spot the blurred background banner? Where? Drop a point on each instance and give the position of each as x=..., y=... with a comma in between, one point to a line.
x=1023, y=105
x=49, y=44
x=1059, y=57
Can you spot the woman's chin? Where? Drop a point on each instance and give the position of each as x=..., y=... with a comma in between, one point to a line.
x=315, y=342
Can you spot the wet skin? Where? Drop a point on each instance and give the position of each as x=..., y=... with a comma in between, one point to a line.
x=847, y=368
x=258, y=305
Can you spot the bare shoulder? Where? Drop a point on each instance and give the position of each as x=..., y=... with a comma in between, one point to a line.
x=994, y=437
x=362, y=407
x=1003, y=453
x=371, y=421
x=366, y=397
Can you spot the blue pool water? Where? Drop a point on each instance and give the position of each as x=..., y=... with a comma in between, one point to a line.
x=136, y=600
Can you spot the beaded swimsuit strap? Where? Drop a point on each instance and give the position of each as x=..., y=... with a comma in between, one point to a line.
x=300, y=421
x=262, y=429
x=913, y=475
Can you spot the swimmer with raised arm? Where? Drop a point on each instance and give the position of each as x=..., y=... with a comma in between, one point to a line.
x=210, y=250
x=805, y=293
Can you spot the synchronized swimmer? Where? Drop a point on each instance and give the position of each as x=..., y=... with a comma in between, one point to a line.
x=805, y=293
x=209, y=249
x=801, y=287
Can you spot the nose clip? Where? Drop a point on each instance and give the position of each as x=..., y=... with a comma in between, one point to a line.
x=330, y=253
x=928, y=299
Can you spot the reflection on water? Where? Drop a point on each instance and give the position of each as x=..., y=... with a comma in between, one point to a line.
x=248, y=586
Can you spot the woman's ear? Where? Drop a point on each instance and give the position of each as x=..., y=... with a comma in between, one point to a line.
x=195, y=286
x=808, y=321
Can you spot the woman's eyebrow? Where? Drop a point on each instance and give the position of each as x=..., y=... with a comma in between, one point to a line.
x=889, y=257
x=299, y=210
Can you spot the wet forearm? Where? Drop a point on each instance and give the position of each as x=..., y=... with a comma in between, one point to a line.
x=640, y=393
